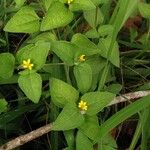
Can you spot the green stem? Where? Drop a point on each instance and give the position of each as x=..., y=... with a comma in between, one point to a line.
x=136, y=135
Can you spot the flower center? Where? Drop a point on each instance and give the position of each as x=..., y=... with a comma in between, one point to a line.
x=70, y=1
x=27, y=64
x=82, y=58
x=83, y=105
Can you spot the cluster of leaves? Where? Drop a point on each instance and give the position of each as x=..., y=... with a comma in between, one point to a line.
x=56, y=52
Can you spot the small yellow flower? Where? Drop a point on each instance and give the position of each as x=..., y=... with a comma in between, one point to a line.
x=27, y=64
x=70, y=1
x=82, y=58
x=83, y=105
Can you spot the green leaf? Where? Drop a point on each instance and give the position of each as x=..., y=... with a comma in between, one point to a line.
x=94, y=17
x=114, y=88
x=7, y=62
x=24, y=21
x=105, y=30
x=90, y=127
x=83, y=76
x=36, y=52
x=46, y=37
x=104, y=45
x=69, y=118
x=109, y=141
x=122, y=115
x=62, y=93
x=92, y=33
x=70, y=138
x=96, y=101
x=106, y=147
x=144, y=9
x=47, y=3
x=57, y=16
x=123, y=10
x=81, y=5
x=3, y=105
x=19, y=3
x=96, y=63
x=86, y=46
x=31, y=85
x=82, y=142
x=65, y=51
x=145, y=117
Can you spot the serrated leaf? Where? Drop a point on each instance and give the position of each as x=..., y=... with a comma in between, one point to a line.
x=3, y=105
x=65, y=51
x=62, y=93
x=96, y=101
x=36, y=52
x=24, y=21
x=7, y=62
x=82, y=142
x=31, y=85
x=104, y=45
x=69, y=118
x=57, y=16
x=83, y=76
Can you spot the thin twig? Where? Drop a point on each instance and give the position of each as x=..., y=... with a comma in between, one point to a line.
x=26, y=138
x=129, y=96
x=47, y=128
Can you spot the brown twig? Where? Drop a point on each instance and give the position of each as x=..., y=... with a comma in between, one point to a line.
x=26, y=138
x=47, y=128
x=129, y=96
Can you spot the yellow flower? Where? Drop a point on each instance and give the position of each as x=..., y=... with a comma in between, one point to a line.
x=83, y=105
x=82, y=58
x=70, y=1
x=27, y=64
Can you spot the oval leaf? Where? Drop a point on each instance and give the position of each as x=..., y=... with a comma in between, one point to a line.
x=104, y=45
x=62, y=93
x=81, y=5
x=69, y=118
x=83, y=75
x=7, y=62
x=90, y=127
x=24, y=21
x=57, y=16
x=36, y=52
x=82, y=142
x=31, y=85
x=86, y=46
x=96, y=101
x=65, y=51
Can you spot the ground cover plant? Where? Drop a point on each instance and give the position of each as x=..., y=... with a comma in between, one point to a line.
x=68, y=64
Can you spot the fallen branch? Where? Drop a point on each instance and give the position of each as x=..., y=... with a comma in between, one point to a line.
x=47, y=128
x=129, y=96
x=27, y=137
